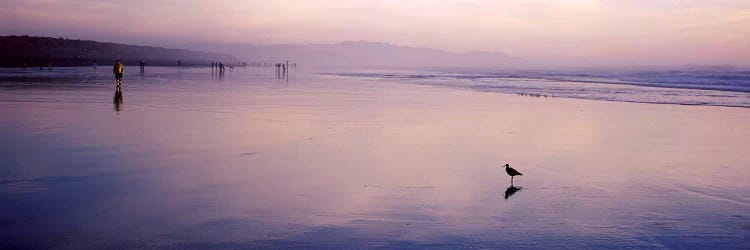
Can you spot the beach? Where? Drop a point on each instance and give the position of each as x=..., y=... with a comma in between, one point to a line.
x=192, y=160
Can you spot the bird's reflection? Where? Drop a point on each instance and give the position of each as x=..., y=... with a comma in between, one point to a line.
x=118, y=99
x=511, y=190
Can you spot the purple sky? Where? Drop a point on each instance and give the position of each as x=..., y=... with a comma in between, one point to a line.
x=602, y=32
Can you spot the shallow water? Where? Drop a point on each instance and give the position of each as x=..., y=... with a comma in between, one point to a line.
x=247, y=161
x=711, y=87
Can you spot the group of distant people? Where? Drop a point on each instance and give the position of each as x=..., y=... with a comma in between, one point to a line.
x=118, y=69
x=281, y=70
x=219, y=66
x=41, y=67
x=534, y=95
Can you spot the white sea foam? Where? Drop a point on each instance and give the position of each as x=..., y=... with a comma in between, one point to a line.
x=716, y=87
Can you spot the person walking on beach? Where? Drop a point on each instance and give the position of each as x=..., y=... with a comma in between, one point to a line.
x=118, y=70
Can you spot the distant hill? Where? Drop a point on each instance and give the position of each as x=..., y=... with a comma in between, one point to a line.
x=359, y=54
x=36, y=51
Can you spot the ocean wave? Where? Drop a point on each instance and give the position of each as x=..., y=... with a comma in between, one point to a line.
x=714, y=88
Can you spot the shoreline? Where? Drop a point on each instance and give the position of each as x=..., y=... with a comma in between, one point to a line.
x=133, y=72
x=491, y=89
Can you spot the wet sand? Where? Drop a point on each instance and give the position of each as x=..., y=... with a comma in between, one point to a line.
x=249, y=161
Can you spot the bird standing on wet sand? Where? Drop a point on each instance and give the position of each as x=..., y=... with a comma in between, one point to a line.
x=512, y=172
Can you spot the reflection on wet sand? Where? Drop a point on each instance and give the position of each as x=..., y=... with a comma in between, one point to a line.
x=511, y=190
x=118, y=99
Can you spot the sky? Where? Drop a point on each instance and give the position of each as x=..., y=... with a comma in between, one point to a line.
x=574, y=32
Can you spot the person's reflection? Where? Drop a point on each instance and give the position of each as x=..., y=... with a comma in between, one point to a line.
x=118, y=99
x=511, y=190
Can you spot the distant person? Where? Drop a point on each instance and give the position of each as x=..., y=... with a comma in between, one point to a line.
x=118, y=70
x=93, y=63
x=143, y=65
x=179, y=63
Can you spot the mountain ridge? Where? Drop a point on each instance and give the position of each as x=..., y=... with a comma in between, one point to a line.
x=358, y=54
x=35, y=51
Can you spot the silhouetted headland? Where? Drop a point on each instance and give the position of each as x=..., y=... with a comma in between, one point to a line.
x=20, y=51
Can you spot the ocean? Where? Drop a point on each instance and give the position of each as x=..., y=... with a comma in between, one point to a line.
x=718, y=86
